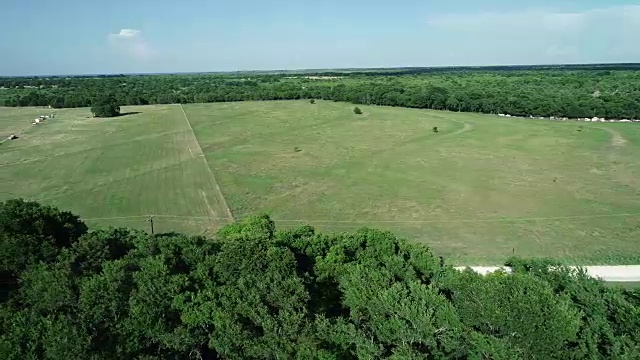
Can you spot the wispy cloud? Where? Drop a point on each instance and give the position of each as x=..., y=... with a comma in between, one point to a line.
x=545, y=35
x=126, y=33
x=131, y=43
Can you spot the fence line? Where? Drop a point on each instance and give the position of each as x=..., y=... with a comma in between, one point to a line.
x=570, y=217
x=355, y=222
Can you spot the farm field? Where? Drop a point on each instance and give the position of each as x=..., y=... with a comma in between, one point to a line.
x=624, y=285
x=113, y=171
x=479, y=190
x=17, y=120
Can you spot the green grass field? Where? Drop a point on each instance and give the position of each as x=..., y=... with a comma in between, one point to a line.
x=114, y=171
x=15, y=121
x=624, y=285
x=478, y=191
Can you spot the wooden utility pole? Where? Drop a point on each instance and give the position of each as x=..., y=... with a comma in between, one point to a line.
x=151, y=223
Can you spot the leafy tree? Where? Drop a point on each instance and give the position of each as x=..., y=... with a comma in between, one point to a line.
x=564, y=91
x=609, y=315
x=105, y=106
x=387, y=311
x=519, y=309
x=30, y=233
x=255, y=292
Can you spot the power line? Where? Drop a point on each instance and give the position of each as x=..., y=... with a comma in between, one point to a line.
x=155, y=215
x=321, y=221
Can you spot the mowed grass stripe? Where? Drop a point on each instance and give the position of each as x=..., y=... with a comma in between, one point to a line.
x=68, y=153
x=135, y=165
x=199, y=152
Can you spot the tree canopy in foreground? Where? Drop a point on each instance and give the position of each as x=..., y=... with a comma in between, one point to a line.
x=254, y=291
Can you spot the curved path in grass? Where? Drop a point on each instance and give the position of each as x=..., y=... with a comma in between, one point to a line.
x=617, y=273
x=467, y=127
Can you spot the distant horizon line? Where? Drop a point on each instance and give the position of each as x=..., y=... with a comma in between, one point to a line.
x=312, y=70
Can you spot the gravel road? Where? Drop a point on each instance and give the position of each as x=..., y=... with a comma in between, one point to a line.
x=618, y=273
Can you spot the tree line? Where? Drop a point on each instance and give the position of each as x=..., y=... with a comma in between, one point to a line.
x=573, y=93
x=256, y=292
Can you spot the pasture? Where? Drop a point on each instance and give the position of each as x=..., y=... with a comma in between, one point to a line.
x=114, y=171
x=478, y=191
x=17, y=120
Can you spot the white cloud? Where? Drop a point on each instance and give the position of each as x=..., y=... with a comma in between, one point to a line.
x=543, y=35
x=126, y=33
x=131, y=43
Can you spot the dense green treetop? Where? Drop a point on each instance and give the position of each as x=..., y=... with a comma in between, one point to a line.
x=105, y=106
x=254, y=291
x=31, y=233
x=574, y=92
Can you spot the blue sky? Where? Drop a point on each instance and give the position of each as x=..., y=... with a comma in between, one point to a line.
x=123, y=36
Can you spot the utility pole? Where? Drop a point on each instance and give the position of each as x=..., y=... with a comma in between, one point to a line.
x=151, y=223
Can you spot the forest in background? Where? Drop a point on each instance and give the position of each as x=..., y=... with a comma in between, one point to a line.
x=605, y=91
x=256, y=292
